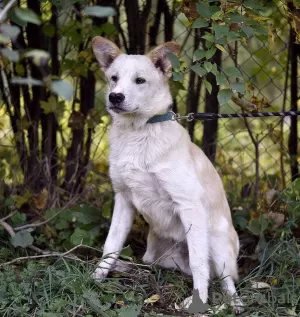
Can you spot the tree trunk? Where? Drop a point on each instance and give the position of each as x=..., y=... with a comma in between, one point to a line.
x=36, y=40
x=293, y=138
x=209, y=142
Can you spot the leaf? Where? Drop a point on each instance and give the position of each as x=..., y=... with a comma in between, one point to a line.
x=238, y=87
x=199, y=54
x=11, y=31
x=27, y=16
x=12, y=55
x=247, y=30
x=26, y=81
x=40, y=200
x=259, y=285
x=18, y=218
x=129, y=311
x=209, y=37
x=198, y=70
x=208, y=86
x=92, y=298
x=221, y=79
x=211, y=53
x=21, y=200
x=224, y=96
x=86, y=214
x=4, y=39
x=206, y=11
x=208, y=66
x=106, y=209
x=233, y=72
x=220, y=31
x=80, y=236
x=152, y=299
x=174, y=60
x=200, y=23
x=39, y=57
x=177, y=76
x=22, y=239
x=126, y=253
x=63, y=88
x=254, y=226
x=99, y=11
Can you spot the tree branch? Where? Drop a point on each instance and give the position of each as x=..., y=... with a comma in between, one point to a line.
x=244, y=104
x=5, y=9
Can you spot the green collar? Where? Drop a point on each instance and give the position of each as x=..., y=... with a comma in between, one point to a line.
x=162, y=117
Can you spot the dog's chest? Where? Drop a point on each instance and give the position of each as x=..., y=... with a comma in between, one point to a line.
x=131, y=171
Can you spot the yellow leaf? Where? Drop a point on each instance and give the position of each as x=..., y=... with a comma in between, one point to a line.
x=40, y=200
x=274, y=281
x=220, y=47
x=254, y=214
x=21, y=200
x=50, y=232
x=120, y=303
x=152, y=299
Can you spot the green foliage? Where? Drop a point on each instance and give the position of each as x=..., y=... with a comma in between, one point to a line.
x=22, y=239
x=99, y=11
x=220, y=26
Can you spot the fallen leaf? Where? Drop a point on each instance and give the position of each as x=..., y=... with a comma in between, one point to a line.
x=152, y=299
x=260, y=285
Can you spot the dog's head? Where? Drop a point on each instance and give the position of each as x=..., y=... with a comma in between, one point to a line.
x=136, y=83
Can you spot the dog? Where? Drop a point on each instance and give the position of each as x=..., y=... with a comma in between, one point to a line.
x=156, y=169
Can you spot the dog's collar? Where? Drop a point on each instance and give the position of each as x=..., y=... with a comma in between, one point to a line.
x=170, y=115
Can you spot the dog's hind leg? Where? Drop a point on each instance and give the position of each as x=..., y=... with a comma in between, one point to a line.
x=167, y=253
x=152, y=244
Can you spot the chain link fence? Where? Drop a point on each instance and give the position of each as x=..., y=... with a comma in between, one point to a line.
x=252, y=155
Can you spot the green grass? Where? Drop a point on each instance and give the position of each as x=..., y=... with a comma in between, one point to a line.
x=58, y=288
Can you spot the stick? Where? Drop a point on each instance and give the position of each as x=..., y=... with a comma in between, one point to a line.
x=5, y=9
x=42, y=256
x=244, y=104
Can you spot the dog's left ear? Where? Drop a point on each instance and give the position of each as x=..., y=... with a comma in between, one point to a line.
x=105, y=51
x=159, y=57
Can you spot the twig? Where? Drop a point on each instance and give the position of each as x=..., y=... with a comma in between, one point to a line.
x=7, y=227
x=8, y=216
x=42, y=256
x=34, y=225
x=77, y=311
x=5, y=9
x=244, y=104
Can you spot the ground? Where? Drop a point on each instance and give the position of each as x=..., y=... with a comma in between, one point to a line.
x=57, y=287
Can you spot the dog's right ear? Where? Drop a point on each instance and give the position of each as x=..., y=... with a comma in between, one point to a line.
x=105, y=51
x=159, y=57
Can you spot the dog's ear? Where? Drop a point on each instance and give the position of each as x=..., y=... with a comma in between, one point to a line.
x=105, y=51
x=159, y=57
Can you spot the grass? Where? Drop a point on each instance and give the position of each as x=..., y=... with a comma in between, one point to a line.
x=58, y=288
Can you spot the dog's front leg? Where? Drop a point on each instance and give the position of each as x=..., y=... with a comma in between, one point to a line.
x=195, y=224
x=121, y=224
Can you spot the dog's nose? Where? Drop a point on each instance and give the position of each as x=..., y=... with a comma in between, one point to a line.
x=116, y=98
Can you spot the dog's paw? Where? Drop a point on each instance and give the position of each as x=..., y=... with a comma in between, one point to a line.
x=100, y=273
x=238, y=305
x=239, y=308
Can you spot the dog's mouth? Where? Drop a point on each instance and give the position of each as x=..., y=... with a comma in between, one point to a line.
x=118, y=109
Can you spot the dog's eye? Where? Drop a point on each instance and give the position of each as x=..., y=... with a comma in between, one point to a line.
x=114, y=78
x=140, y=80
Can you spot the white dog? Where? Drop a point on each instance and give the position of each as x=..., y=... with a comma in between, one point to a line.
x=156, y=170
